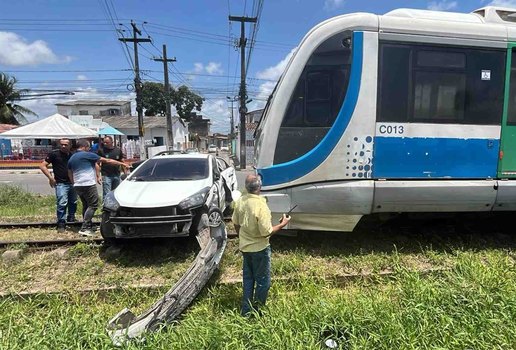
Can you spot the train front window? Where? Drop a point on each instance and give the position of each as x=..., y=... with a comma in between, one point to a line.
x=316, y=100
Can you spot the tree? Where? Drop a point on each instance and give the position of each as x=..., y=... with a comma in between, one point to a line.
x=10, y=112
x=153, y=98
x=185, y=101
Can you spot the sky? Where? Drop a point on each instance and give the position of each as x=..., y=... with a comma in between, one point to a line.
x=73, y=46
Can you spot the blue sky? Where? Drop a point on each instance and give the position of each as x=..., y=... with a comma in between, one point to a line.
x=72, y=45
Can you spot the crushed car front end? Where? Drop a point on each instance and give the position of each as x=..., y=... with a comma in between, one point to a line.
x=146, y=206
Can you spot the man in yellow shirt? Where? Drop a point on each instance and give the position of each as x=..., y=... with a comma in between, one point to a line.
x=252, y=219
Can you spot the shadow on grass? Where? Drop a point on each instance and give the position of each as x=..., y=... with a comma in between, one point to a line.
x=404, y=233
x=150, y=252
x=408, y=233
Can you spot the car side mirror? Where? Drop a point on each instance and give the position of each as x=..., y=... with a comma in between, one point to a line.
x=216, y=176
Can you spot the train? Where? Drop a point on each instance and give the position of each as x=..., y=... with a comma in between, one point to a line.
x=410, y=111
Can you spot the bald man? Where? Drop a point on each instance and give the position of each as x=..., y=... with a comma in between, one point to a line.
x=253, y=224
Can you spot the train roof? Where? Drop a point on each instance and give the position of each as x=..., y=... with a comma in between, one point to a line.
x=490, y=23
x=487, y=23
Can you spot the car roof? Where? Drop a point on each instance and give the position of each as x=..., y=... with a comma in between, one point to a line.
x=184, y=155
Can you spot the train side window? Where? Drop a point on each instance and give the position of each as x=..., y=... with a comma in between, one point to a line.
x=441, y=59
x=511, y=112
x=439, y=96
x=436, y=84
x=316, y=100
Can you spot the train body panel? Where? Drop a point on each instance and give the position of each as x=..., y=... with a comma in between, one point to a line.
x=436, y=151
x=412, y=111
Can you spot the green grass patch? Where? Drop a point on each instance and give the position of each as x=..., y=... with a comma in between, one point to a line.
x=471, y=306
x=16, y=202
x=427, y=287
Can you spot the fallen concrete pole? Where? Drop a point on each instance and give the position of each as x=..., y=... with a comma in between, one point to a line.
x=212, y=238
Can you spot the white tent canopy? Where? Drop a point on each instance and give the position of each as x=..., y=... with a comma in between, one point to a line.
x=54, y=127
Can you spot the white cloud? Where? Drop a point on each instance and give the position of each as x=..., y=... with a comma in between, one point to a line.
x=213, y=68
x=333, y=4
x=503, y=3
x=82, y=77
x=442, y=5
x=219, y=115
x=198, y=67
x=274, y=72
x=17, y=51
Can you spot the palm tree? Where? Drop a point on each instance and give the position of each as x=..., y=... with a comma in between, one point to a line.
x=10, y=112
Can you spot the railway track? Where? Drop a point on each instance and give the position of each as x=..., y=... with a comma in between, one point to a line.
x=39, y=224
x=49, y=243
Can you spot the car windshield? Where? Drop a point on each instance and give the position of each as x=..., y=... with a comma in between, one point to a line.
x=169, y=169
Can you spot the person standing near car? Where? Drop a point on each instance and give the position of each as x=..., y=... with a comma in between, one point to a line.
x=252, y=220
x=66, y=198
x=110, y=173
x=83, y=171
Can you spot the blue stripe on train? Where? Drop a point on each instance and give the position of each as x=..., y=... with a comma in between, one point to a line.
x=397, y=157
x=303, y=165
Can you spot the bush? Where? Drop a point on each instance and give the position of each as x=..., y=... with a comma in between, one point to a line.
x=14, y=196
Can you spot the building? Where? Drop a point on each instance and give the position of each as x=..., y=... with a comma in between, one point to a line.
x=199, y=130
x=155, y=129
x=97, y=108
x=254, y=116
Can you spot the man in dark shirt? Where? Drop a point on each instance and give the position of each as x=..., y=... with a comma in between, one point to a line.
x=65, y=193
x=110, y=173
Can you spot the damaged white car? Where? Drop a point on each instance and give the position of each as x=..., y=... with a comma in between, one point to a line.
x=167, y=195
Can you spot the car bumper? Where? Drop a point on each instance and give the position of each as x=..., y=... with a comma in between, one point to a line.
x=150, y=222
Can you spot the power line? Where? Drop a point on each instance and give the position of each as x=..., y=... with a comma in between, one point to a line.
x=123, y=46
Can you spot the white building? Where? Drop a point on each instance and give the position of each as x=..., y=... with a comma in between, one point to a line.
x=155, y=129
x=94, y=107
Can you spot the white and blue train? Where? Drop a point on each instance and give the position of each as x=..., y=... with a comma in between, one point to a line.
x=411, y=111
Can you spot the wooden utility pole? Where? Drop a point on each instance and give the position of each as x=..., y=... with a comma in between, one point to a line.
x=170, y=129
x=137, y=83
x=243, y=94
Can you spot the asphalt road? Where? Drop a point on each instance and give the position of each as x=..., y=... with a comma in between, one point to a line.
x=34, y=181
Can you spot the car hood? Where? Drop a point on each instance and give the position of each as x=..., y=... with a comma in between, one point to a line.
x=141, y=194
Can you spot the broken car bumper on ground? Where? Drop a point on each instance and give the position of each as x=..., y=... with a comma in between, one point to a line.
x=212, y=239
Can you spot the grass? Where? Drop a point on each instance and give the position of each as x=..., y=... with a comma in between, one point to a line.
x=16, y=204
x=414, y=285
x=471, y=306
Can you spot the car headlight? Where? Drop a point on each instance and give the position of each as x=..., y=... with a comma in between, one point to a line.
x=194, y=200
x=110, y=202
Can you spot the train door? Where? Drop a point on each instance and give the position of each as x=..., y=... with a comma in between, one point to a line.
x=507, y=163
x=437, y=137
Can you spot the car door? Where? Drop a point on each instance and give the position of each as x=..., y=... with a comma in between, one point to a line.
x=218, y=184
x=228, y=173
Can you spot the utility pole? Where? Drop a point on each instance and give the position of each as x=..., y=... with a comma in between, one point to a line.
x=232, y=133
x=170, y=130
x=137, y=83
x=243, y=94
